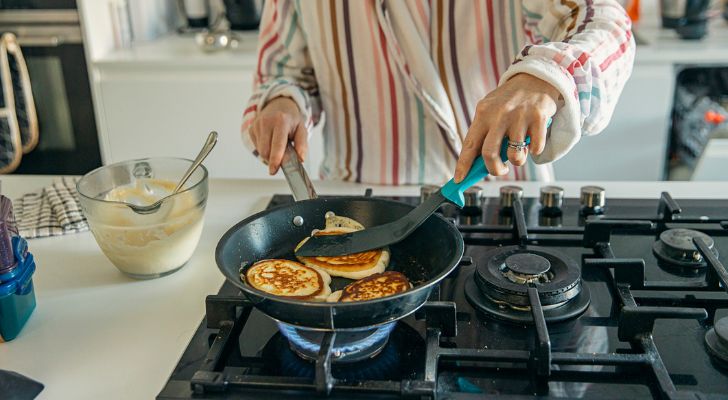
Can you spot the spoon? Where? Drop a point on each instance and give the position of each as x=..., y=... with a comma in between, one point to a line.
x=154, y=207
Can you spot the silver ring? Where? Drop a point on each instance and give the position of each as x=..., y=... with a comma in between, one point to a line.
x=517, y=145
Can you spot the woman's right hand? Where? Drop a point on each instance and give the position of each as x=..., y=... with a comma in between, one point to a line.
x=278, y=123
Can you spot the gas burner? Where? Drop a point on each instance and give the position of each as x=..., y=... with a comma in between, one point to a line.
x=399, y=359
x=499, y=286
x=349, y=346
x=507, y=270
x=675, y=247
x=716, y=340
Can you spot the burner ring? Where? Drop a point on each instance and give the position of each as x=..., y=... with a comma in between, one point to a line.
x=716, y=341
x=568, y=310
x=676, y=248
x=564, y=281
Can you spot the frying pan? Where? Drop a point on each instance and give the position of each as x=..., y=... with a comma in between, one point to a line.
x=426, y=256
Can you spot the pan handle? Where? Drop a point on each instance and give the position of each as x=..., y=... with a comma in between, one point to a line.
x=296, y=175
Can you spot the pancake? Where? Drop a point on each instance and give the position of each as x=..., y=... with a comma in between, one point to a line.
x=290, y=279
x=352, y=266
x=337, y=221
x=372, y=287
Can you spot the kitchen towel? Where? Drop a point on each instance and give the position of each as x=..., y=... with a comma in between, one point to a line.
x=52, y=211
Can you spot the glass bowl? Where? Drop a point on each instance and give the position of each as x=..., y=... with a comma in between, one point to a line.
x=145, y=245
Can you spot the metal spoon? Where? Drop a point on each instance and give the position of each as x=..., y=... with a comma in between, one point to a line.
x=154, y=207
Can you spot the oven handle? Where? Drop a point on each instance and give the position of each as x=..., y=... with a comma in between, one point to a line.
x=45, y=41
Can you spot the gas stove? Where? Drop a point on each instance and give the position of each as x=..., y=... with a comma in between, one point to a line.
x=559, y=297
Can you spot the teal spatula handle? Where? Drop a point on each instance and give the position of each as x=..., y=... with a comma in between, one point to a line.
x=454, y=191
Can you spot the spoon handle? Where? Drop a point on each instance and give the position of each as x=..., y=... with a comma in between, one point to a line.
x=206, y=149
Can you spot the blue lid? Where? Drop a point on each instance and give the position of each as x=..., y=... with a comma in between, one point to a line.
x=22, y=280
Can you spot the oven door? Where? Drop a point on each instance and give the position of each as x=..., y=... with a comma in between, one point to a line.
x=52, y=45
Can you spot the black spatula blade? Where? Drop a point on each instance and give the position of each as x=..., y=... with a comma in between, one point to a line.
x=371, y=238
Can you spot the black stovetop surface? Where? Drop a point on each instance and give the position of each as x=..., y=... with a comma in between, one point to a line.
x=609, y=351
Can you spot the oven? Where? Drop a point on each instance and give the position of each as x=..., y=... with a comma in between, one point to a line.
x=49, y=34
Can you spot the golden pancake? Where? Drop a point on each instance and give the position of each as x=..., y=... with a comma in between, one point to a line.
x=337, y=221
x=373, y=287
x=352, y=266
x=289, y=279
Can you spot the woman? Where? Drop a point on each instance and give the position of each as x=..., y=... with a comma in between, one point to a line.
x=414, y=90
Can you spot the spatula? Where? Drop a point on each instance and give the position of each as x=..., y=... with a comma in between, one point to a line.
x=393, y=232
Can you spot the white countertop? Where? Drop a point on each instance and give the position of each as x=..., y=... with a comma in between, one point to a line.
x=181, y=51
x=97, y=334
x=666, y=46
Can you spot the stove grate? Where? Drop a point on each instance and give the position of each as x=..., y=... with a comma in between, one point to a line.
x=635, y=315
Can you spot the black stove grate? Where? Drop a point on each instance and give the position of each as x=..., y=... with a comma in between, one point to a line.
x=638, y=303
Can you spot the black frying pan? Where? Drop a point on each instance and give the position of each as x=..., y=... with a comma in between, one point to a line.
x=425, y=257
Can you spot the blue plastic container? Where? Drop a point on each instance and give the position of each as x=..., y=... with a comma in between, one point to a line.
x=10, y=274
x=17, y=297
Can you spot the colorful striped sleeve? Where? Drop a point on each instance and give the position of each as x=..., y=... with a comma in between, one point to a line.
x=284, y=66
x=585, y=49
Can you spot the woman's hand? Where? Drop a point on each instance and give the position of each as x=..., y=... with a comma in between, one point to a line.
x=520, y=106
x=279, y=122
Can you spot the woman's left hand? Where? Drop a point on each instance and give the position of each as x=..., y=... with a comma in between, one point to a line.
x=520, y=106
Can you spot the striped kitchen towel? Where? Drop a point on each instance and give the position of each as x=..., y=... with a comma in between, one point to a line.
x=52, y=211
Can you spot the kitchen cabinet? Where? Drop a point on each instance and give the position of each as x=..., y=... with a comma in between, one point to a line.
x=152, y=114
x=634, y=144
x=162, y=98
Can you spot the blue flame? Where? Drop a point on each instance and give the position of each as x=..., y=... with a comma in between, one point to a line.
x=291, y=333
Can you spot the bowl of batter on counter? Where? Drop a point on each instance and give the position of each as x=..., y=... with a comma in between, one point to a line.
x=141, y=245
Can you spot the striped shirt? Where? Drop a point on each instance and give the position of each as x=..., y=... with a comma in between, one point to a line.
x=398, y=81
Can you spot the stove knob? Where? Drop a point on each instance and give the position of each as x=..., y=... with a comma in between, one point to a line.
x=426, y=191
x=473, y=197
x=509, y=194
x=592, y=198
x=551, y=197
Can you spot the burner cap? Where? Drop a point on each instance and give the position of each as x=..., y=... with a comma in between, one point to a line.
x=716, y=340
x=526, y=268
x=676, y=247
x=503, y=275
x=682, y=239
